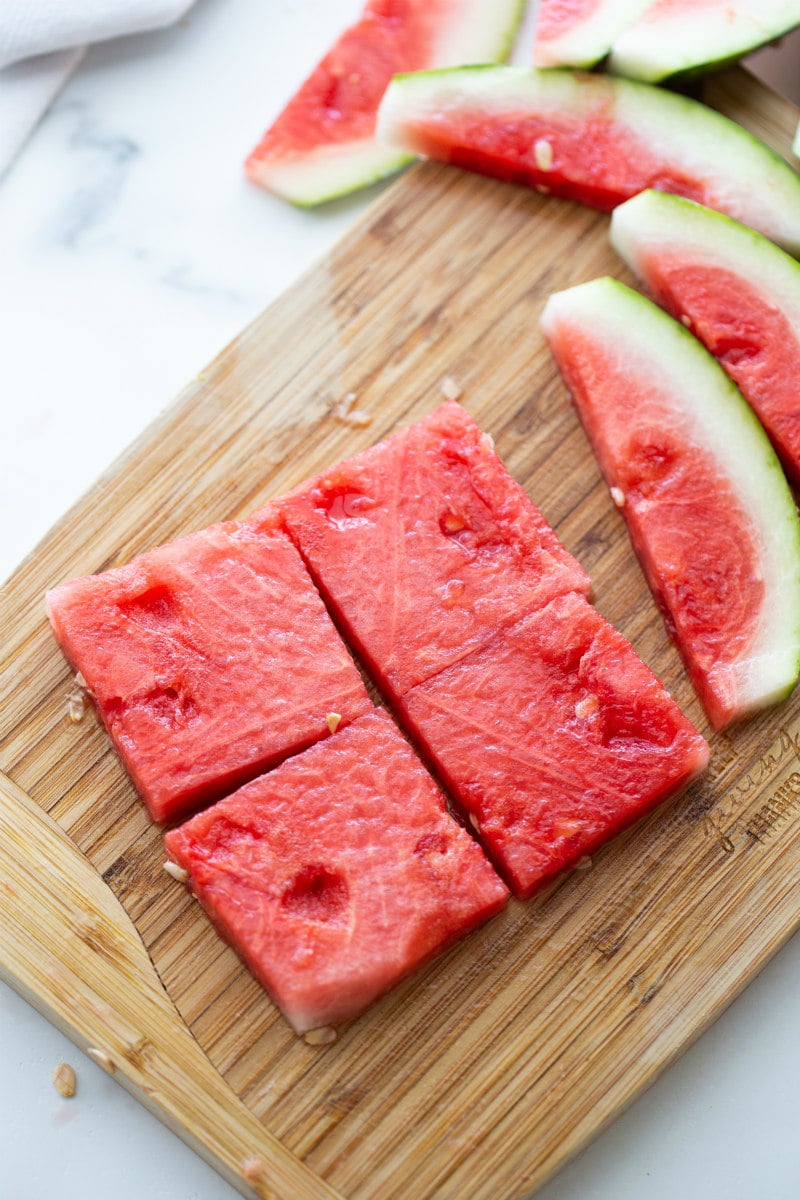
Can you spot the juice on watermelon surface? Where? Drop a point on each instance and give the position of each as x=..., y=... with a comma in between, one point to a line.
x=424, y=546
x=209, y=659
x=553, y=738
x=338, y=873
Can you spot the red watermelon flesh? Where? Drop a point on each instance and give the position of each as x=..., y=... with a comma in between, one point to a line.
x=210, y=659
x=702, y=493
x=591, y=138
x=736, y=291
x=338, y=873
x=754, y=341
x=322, y=144
x=553, y=738
x=424, y=546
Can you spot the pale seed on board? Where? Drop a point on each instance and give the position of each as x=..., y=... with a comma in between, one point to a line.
x=320, y=1037
x=451, y=388
x=344, y=411
x=179, y=873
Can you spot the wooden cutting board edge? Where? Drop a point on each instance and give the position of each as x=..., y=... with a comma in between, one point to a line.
x=96, y=951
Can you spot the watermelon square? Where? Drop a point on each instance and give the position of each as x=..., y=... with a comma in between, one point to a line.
x=424, y=546
x=338, y=873
x=553, y=738
x=210, y=659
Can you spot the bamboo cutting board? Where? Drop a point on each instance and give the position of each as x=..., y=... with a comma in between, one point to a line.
x=481, y=1074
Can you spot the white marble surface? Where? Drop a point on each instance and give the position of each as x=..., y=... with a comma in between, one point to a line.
x=131, y=251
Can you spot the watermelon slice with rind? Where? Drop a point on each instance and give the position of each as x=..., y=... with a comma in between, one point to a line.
x=322, y=144
x=553, y=738
x=736, y=291
x=210, y=659
x=424, y=546
x=579, y=33
x=338, y=873
x=701, y=489
x=591, y=138
x=680, y=38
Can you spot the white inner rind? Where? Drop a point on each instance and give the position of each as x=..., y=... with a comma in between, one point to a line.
x=589, y=39
x=473, y=31
x=664, y=42
x=657, y=221
x=748, y=179
x=705, y=403
x=327, y=170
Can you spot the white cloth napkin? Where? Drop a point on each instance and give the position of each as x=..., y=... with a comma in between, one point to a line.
x=42, y=42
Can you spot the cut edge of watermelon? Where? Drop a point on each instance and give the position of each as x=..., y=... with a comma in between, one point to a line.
x=693, y=137
x=585, y=43
x=673, y=45
x=770, y=669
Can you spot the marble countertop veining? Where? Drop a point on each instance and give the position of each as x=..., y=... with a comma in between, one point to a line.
x=131, y=251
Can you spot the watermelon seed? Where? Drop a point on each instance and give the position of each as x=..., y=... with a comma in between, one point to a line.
x=587, y=706
x=179, y=873
x=543, y=154
x=686, y=320
x=618, y=496
x=333, y=720
x=542, y=189
x=320, y=1037
x=64, y=1080
x=452, y=523
x=76, y=707
x=451, y=389
x=584, y=864
x=343, y=411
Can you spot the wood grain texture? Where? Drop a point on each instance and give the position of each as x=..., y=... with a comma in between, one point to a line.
x=483, y=1073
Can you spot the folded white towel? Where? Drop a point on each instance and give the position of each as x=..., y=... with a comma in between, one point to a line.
x=41, y=43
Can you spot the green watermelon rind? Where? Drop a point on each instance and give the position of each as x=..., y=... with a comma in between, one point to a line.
x=677, y=48
x=661, y=345
x=708, y=238
x=332, y=170
x=588, y=41
x=692, y=136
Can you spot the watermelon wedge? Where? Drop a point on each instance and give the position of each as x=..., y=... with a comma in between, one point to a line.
x=579, y=33
x=679, y=38
x=322, y=145
x=736, y=291
x=338, y=873
x=553, y=738
x=424, y=546
x=209, y=659
x=706, y=503
x=592, y=138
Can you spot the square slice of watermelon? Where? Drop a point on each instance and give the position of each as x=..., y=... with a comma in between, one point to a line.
x=337, y=873
x=424, y=546
x=552, y=738
x=210, y=659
